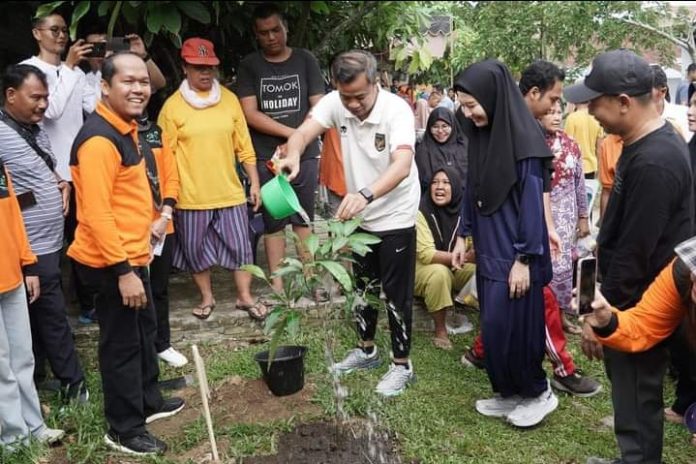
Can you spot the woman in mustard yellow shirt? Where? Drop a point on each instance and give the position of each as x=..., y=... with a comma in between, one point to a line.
x=208, y=135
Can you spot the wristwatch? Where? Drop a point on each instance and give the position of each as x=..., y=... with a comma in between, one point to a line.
x=523, y=259
x=367, y=194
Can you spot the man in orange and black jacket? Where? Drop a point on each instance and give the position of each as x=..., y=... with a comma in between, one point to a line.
x=112, y=250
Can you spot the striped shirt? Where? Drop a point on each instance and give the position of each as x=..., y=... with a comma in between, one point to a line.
x=43, y=221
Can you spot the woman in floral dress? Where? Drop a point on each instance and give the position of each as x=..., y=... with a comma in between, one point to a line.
x=568, y=202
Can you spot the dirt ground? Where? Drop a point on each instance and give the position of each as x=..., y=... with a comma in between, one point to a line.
x=329, y=443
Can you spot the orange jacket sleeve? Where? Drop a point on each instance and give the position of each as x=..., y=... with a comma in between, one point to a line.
x=100, y=161
x=652, y=320
x=167, y=170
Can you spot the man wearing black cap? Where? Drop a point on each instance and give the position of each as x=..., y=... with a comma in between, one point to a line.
x=650, y=210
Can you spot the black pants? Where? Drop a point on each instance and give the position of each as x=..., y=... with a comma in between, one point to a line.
x=159, y=281
x=683, y=360
x=636, y=393
x=85, y=294
x=127, y=357
x=392, y=263
x=52, y=337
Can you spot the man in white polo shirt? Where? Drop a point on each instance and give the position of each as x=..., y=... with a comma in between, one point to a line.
x=377, y=132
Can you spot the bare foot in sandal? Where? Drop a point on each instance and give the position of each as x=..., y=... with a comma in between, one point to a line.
x=203, y=311
x=257, y=310
x=673, y=417
x=442, y=343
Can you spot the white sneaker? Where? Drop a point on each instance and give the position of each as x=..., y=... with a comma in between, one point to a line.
x=395, y=381
x=173, y=357
x=49, y=436
x=497, y=406
x=356, y=359
x=531, y=411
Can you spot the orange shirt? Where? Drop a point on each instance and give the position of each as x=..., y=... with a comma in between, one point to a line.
x=16, y=250
x=114, y=203
x=653, y=319
x=331, y=166
x=609, y=152
x=168, y=176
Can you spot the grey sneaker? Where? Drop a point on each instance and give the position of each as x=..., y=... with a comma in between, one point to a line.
x=356, y=359
x=49, y=436
x=498, y=406
x=395, y=381
x=530, y=411
x=577, y=385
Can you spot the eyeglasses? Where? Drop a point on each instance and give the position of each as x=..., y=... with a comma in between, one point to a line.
x=55, y=30
x=441, y=127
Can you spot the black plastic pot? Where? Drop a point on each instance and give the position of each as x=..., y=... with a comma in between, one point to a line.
x=286, y=373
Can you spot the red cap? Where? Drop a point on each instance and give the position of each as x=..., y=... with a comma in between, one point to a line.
x=199, y=51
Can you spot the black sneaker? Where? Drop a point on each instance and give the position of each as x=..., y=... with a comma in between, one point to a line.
x=141, y=445
x=469, y=359
x=169, y=407
x=577, y=385
x=76, y=392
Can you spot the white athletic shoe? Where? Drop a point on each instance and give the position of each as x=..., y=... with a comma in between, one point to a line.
x=356, y=359
x=49, y=436
x=498, y=406
x=531, y=411
x=173, y=357
x=395, y=381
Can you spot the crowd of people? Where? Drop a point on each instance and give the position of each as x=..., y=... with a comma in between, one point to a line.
x=478, y=194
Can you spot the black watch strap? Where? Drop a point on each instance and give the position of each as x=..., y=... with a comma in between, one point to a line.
x=367, y=194
x=523, y=258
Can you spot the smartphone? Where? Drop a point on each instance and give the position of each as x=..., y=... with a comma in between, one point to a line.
x=586, y=279
x=26, y=200
x=118, y=44
x=98, y=50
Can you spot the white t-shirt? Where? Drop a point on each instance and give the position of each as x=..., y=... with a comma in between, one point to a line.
x=367, y=146
x=68, y=96
x=676, y=114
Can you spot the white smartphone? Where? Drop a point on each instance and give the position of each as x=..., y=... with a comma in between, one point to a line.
x=586, y=280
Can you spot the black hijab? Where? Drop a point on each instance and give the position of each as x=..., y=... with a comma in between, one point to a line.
x=512, y=133
x=432, y=155
x=444, y=220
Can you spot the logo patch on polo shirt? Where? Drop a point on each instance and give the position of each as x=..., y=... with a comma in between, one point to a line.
x=380, y=142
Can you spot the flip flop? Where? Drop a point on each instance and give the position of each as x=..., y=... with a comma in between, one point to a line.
x=205, y=311
x=442, y=343
x=257, y=311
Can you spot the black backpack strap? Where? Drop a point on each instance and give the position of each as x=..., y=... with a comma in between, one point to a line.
x=151, y=168
x=28, y=137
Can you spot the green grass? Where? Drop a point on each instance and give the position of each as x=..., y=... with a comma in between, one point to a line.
x=434, y=421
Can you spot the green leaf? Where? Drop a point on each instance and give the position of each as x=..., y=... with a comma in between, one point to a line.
x=176, y=40
x=350, y=226
x=195, y=11
x=46, y=9
x=131, y=14
x=155, y=19
x=364, y=238
x=172, y=20
x=80, y=10
x=294, y=262
x=255, y=271
x=275, y=339
x=104, y=8
x=312, y=244
x=320, y=7
x=360, y=249
x=285, y=271
x=339, y=243
x=335, y=228
x=272, y=320
x=339, y=273
x=293, y=324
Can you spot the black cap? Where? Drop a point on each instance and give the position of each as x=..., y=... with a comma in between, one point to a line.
x=613, y=73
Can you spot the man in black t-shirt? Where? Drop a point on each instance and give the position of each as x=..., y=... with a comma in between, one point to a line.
x=277, y=86
x=650, y=211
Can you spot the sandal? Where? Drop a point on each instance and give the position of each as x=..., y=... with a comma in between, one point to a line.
x=204, y=311
x=257, y=311
x=442, y=343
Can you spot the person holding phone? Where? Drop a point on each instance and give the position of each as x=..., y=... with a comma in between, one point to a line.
x=503, y=211
x=650, y=210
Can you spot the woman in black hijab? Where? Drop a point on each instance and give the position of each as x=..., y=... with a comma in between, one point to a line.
x=443, y=145
x=504, y=213
x=437, y=224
